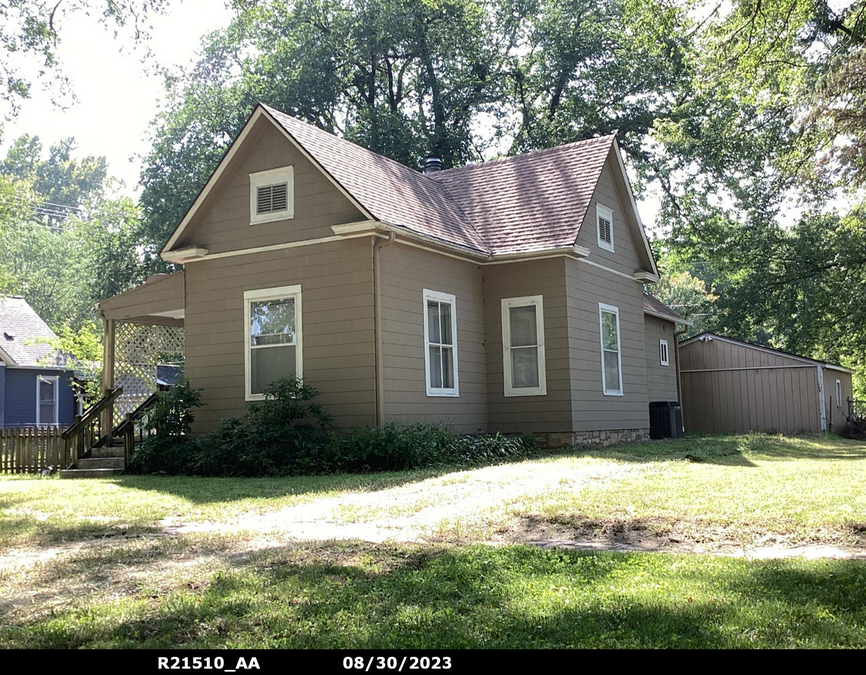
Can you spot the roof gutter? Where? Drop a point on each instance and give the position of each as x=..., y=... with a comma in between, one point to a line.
x=679, y=320
x=401, y=235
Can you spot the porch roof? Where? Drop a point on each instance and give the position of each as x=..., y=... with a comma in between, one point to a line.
x=160, y=301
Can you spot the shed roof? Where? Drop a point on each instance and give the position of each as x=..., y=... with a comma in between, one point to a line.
x=702, y=337
x=656, y=307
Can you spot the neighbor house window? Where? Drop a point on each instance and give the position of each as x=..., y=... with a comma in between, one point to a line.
x=611, y=361
x=839, y=393
x=523, y=346
x=47, y=400
x=440, y=341
x=604, y=220
x=273, y=337
x=663, y=352
x=272, y=195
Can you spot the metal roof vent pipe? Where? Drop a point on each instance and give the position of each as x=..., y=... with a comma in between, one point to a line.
x=432, y=164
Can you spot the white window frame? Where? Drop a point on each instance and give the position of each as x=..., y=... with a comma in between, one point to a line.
x=664, y=353
x=838, y=393
x=536, y=301
x=277, y=293
x=55, y=380
x=284, y=174
x=604, y=212
x=451, y=300
x=602, y=308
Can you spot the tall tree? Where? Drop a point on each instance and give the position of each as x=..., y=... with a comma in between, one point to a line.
x=30, y=31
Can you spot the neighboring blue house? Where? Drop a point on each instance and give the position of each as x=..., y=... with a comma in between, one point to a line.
x=35, y=383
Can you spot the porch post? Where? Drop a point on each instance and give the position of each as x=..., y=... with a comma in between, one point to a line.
x=107, y=421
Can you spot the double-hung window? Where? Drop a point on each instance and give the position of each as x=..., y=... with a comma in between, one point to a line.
x=611, y=358
x=604, y=221
x=47, y=401
x=440, y=342
x=523, y=346
x=272, y=195
x=663, y=353
x=273, y=337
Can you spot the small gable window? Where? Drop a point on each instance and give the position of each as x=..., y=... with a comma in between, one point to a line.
x=604, y=219
x=272, y=195
x=663, y=353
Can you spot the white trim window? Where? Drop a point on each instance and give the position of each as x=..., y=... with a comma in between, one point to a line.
x=611, y=353
x=523, y=359
x=604, y=226
x=47, y=400
x=839, y=393
x=273, y=345
x=440, y=344
x=272, y=195
x=664, y=358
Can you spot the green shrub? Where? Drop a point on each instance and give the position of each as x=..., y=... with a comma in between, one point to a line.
x=286, y=434
x=290, y=434
x=398, y=448
x=168, y=447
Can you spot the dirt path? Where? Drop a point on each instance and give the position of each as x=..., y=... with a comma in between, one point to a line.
x=419, y=512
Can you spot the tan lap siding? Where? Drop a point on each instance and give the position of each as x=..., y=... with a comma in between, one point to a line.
x=592, y=410
x=550, y=413
x=661, y=380
x=338, y=329
x=224, y=223
x=405, y=273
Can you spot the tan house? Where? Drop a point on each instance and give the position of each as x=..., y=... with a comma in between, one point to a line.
x=501, y=296
x=731, y=386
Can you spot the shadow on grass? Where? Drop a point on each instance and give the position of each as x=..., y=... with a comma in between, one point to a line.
x=734, y=450
x=210, y=490
x=32, y=533
x=385, y=597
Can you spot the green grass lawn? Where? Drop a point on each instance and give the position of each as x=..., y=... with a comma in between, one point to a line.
x=361, y=596
x=119, y=580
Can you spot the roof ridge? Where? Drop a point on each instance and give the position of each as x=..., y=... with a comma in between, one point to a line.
x=343, y=140
x=531, y=153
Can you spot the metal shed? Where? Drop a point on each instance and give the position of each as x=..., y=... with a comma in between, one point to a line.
x=732, y=386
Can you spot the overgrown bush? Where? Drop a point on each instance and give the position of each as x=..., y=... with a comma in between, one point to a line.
x=290, y=434
x=168, y=447
x=396, y=448
x=286, y=434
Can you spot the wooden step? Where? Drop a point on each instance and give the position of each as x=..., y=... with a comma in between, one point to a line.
x=89, y=473
x=109, y=451
x=100, y=463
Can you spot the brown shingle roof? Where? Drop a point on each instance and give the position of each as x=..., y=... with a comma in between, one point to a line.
x=533, y=201
x=20, y=331
x=391, y=192
x=654, y=306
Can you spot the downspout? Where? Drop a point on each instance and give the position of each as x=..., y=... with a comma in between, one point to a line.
x=378, y=245
x=823, y=409
x=677, y=357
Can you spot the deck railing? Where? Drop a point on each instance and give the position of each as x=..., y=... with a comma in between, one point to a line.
x=87, y=431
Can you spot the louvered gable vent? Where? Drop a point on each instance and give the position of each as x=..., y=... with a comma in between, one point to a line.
x=604, y=226
x=272, y=198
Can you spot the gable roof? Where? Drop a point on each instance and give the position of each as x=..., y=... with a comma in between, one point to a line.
x=702, y=337
x=655, y=307
x=531, y=202
x=20, y=330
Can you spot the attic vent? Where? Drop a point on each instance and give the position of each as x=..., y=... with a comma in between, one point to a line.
x=272, y=198
x=604, y=216
x=9, y=336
